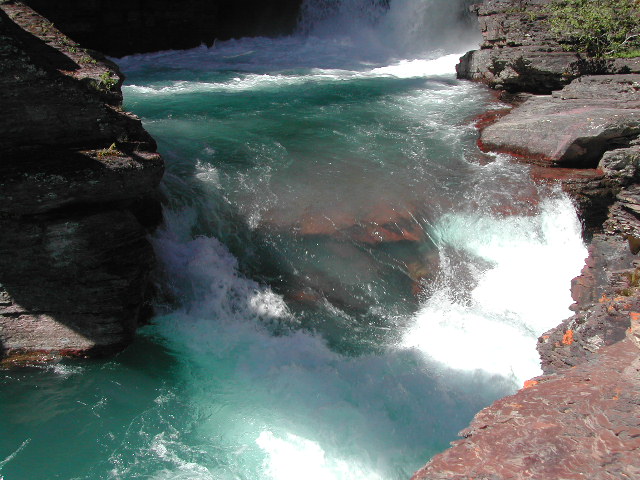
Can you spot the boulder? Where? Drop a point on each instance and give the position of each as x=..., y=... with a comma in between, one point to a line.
x=573, y=132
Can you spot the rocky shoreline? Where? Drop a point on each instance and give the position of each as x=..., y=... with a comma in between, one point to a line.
x=78, y=196
x=581, y=419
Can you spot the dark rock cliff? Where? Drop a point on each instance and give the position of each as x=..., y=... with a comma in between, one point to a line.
x=581, y=419
x=78, y=179
x=123, y=27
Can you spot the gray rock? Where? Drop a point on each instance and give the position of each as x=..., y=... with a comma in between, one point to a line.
x=77, y=177
x=519, y=53
x=573, y=127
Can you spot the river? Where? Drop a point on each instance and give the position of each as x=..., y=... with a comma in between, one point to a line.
x=344, y=279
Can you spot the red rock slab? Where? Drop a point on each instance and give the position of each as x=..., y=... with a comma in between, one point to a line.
x=565, y=175
x=488, y=118
x=582, y=424
x=571, y=132
x=379, y=224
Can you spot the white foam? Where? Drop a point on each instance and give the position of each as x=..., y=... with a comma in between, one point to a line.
x=307, y=410
x=444, y=65
x=524, y=292
x=294, y=457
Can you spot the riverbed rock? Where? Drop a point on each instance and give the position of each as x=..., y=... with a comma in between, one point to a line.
x=78, y=195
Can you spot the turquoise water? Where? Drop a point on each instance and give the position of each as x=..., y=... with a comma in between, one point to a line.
x=344, y=280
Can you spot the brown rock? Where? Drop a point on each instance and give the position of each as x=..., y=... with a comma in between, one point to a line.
x=582, y=424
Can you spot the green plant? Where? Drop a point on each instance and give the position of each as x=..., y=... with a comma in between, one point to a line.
x=598, y=28
x=112, y=151
x=87, y=59
x=107, y=80
x=46, y=26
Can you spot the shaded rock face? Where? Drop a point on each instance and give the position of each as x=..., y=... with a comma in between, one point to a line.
x=78, y=180
x=519, y=53
x=123, y=27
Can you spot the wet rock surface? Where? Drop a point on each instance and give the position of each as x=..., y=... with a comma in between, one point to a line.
x=78, y=180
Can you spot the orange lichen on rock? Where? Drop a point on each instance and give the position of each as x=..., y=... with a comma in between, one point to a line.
x=567, y=338
x=635, y=316
x=530, y=383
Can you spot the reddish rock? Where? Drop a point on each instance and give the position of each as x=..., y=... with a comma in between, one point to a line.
x=485, y=119
x=379, y=224
x=582, y=424
x=604, y=295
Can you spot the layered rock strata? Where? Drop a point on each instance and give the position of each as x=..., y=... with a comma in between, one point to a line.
x=519, y=54
x=581, y=419
x=78, y=179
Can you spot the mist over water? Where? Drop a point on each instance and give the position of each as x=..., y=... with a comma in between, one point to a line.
x=344, y=279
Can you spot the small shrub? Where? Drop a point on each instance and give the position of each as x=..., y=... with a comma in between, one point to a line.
x=598, y=28
x=88, y=59
x=107, y=81
x=112, y=151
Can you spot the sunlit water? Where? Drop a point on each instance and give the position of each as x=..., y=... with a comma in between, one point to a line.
x=345, y=280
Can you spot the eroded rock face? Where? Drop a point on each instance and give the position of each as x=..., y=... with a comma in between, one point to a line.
x=606, y=298
x=78, y=180
x=519, y=53
x=580, y=420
